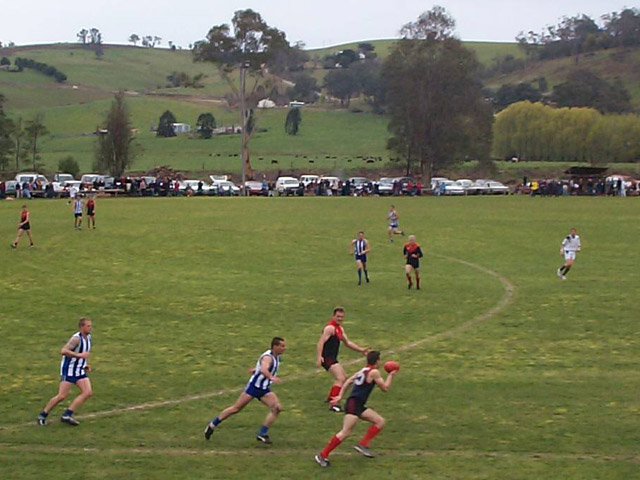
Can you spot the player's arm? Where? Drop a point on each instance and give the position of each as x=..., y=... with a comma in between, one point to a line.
x=419, y=253
x=405, y=252
x=352, y=345
x=564, y=242
x=326, y=333
x=345, y=387
x=383, y=384
x=265, y=364
x=367, y=248
x=68, y=349
x=579, y=246
x=351, y=247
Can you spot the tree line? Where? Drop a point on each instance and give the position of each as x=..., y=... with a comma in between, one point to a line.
x=43, y=68
x=533, y=131
x=582, y=34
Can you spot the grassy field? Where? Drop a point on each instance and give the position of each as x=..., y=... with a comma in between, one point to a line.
x=508, y=372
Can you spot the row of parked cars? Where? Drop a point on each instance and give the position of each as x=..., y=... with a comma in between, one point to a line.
x=445, y=186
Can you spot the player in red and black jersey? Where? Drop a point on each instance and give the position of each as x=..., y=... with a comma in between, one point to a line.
x=328, y=347
x=356, y=408
x=412, y=253
x=24, y=225
x=91, y=213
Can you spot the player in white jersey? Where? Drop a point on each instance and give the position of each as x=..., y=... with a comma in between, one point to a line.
x=360, y=248
x=570, y=245
x=73, y=371
x=263, y=375
x=77, y=213
x=393, y=229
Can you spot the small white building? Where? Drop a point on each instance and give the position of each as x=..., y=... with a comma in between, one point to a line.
x=181, y=128
x=266, y=103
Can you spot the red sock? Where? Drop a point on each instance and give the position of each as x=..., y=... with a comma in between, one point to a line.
x=409, y=279
x=418, y=282
x=335, y=441
x=372, y=432
x=335, y=390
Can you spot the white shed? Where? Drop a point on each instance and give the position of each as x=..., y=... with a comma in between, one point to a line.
x=181, y=128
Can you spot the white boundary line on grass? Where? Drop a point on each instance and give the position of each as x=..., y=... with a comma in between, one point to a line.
x=507, y=298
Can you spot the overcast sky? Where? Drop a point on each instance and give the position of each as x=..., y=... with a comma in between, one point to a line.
x=317, y=23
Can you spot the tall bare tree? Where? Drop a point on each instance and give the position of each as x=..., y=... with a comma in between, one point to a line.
x=35, y=129
x=115, y=147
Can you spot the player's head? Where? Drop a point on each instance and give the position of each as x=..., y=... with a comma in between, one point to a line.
x=338, y=314
x=84, y=324
x=573, y=231
x=360, y=235
x=24, y=207
x=278, y=345
x=412, y=239
x=391, y=207
x=373, y=357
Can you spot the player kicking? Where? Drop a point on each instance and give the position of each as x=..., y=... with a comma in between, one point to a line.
x=23, y=226
x=360, y=247
x=356, y=408
x=327, y=350
x=393, y=229
x=73, y=371
x=570, y=245
x=264, y=374
x=412, y=253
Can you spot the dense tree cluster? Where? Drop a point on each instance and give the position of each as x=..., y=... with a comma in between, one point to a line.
x=48, y=70
x=586, y=89
x=581, y=34
x=532, y=131
x=183, y=79
x=115, y=148
x=6, y=128
x=205, y=124
x=165, y=125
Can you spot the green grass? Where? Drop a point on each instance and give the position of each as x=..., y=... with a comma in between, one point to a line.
x=185, y=293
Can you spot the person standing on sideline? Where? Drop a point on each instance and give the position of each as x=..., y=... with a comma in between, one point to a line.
x=327, y=352
x=570, y=245
x=412, y=253
x=393, y=217
x=356, y=408
x=77, y=213
x=73, y=371
x=91, y=213
x=263, y=375
x=360, y=247
x=24, y=225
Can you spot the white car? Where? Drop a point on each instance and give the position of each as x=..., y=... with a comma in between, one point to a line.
x=193, y=184
x=496, y=188
x=307, y=179
x=385, y=186
x=31, y=177
x=451, y=188
x=287, y=185
x=469, y=187
x=435, y=181
x=226, y=188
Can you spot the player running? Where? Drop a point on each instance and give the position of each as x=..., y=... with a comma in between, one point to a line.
x=24, y=226
x=412, y=253
x=360, y=247
x=570, y=245
x=91, y=213
x=264, y=374
x=356, y=408
x=77, y=213
x=327, y=349
x=393, y=217
x=73, y=371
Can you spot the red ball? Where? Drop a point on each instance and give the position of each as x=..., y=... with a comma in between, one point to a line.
x=390, y=366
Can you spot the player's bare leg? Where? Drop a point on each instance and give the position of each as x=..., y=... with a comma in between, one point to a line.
x=63, y=391
x=15, y=242
x=347, y=425
x=416, y=271
x=241, y=402
x=340, y=377
x=564, y=269
x=30, y=237
x=407, y=272
x=271, y=401
x=85, y=392
x=377, y=422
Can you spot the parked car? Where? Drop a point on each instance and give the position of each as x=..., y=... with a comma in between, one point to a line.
x=31, y=177
x=451, y=188
x=10, y=187
x=496, y=188
x=469, y=187
x=287, y=185
x=307, y=179
x=62, y=177
x=385, y=186
x=481, y=186
x=361, y=184
x=225, y=188
x=253, y=187
x=184, y=185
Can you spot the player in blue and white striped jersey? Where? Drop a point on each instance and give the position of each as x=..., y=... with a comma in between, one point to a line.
x=570, y=245
x=263, y=375
x=73, y=371
x=360, y=248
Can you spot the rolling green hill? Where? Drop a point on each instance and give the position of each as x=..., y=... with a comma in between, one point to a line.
x=331, y=139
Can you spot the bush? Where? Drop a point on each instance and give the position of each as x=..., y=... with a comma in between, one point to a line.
x=69, y=165
x=5, y=61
